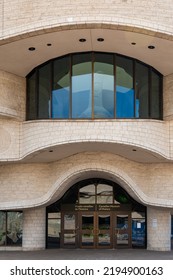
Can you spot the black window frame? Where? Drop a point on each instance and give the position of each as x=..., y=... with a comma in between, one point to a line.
x=70, y=56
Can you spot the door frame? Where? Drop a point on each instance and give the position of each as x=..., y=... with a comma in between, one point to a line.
x=73, y=231
x=77, y=231
x=95, y=231
x=128, y=230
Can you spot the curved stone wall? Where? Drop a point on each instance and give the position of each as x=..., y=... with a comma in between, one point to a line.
x=24, y=141
x=32, y=185
x=26, y=16
x=38, y=135
x=12, y=96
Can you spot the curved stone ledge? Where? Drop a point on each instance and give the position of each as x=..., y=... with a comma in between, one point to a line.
x=9, y=113
x=27, y=18
x=83, y=171
x=162, y=33
x=150, y=135
x=32, y=139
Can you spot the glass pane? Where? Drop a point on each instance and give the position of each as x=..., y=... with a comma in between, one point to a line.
x=87, y=195
x=87, y=239
x=44, y=92
x=61, y=88
x=138, y=215
x=142, y=89
x=155, y=96
x=87, y=222
x=54, y=232
x=103, y=189
x=122, y=221
x=69, y=239
x=54, y=228
x=122, y=238
x=81, y=86
x=104, y=222
x=124, y=88
x=2, y=228
x=103, y=86
x=14, y=228
x=120, y=197
x=104, y=199
x=121, y=230
x=104, y=194
x=56, y=215
x=31, y=98
x=69, y=221
x=138, y=232
x=104, y=239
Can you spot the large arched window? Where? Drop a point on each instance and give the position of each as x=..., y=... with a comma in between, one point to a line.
x=94, y=85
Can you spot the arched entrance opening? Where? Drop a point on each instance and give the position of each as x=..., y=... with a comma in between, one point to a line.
x=96, y=213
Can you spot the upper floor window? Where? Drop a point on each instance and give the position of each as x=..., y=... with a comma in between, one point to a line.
x=94, y=85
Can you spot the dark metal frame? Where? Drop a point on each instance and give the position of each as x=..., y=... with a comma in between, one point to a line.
x=150, y=70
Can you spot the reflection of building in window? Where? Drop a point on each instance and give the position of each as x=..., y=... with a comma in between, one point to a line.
x=11, y=228
x=96, y=85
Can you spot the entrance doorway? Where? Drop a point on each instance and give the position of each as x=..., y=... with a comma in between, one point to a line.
x=104, y=230
x=96, y=214
x=96, y=230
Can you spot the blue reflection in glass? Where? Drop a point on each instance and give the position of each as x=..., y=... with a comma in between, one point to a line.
x=82, y=96
x=103, y=96
x=60, y=103
x=124, y=102
x=137, y=108
x=138, y=233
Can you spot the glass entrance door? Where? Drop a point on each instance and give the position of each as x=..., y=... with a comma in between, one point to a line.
x=122, y=230
x=87, y=230
x=99, y=229
x=95, y=230
x=104, y=236
x=69, y=230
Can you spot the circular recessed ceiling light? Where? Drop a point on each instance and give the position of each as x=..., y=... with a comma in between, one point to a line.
x=31, y=49
x=100, y=39
x=82, y=40
x=151, y=47
x=133, y=43
x=49, y=44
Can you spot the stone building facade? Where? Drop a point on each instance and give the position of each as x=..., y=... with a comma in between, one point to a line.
x=42, y=158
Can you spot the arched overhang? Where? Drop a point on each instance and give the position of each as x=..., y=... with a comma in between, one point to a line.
x=85, y=171
x=64, y=38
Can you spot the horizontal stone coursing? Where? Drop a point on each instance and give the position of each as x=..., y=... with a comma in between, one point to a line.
x=25, y=15
x=31, y=185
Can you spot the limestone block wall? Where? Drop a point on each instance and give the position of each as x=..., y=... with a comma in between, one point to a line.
x=19, y=140
x=31, y=185
x=9, y=140
x=30, y=181
x=171, y=138
x=151, y=135
x=12, y=96
x=167, y=97
x=19, y=16
x=34, y=226
x=158, y=229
